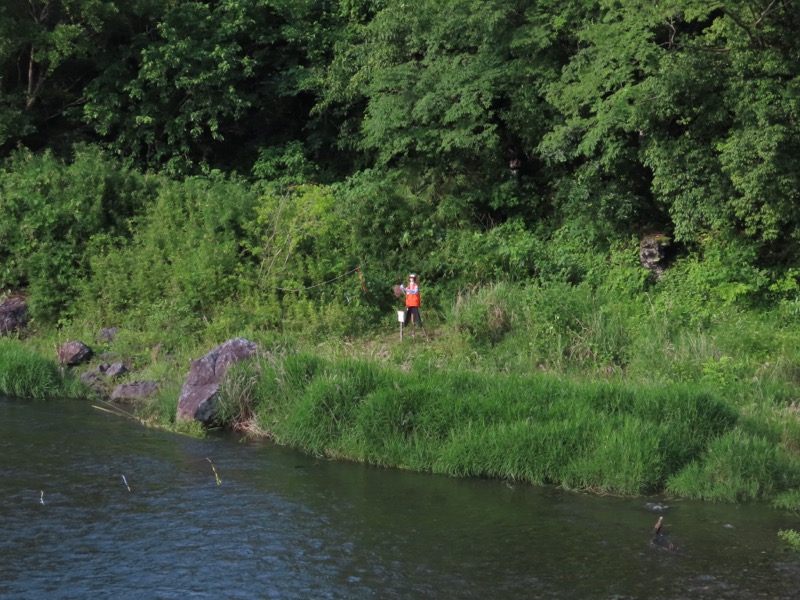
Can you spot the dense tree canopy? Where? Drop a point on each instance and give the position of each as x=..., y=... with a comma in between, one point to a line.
x=475, y=139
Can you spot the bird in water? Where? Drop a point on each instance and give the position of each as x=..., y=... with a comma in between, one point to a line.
x=659, y=525
x=659, y=539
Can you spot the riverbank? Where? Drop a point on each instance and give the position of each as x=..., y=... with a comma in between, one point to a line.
x=601, y=436
x=588, y=393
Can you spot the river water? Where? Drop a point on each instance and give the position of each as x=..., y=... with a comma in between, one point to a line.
x=280, y=524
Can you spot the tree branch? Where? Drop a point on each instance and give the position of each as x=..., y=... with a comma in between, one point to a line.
x=766, y=12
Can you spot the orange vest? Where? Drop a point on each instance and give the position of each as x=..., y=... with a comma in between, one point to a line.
x=412, y=295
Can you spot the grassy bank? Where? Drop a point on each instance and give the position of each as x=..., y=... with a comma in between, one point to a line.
x=566, y=385
x=600, y=436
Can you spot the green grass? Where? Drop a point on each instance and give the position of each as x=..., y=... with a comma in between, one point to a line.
x=565, y=385
x=25, y=373
x=609, y=437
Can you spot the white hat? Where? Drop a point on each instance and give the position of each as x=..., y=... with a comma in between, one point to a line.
x=412, y=276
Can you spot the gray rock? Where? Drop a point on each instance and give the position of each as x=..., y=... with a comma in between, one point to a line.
x=74, y=353
x=199, y=392
x=107, y=334
x=130, y=392
x=116, y=370
x=95, y=378
x=13, y=314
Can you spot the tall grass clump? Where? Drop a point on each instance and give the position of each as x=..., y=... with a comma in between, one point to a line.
x=25, y=374
x=737, y=466
x=558, y=327
x=322, y=418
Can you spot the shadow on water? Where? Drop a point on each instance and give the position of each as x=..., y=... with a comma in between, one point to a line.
x=284, y=525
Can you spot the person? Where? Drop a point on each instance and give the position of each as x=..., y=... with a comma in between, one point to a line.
x=411, y=292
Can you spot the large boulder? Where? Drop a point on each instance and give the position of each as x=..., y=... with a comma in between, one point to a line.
x=13, y=314
x=199, y=392
x=74, y=353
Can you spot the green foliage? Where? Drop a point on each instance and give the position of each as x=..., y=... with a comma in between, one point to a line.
x=788, y=500
x=184, y=256
x=433, y=92
x=597, y=436
x=736, y=467
x=46, y=56
x=50, y=216
x=191, y=82
x=553, y=326
x=792, y=537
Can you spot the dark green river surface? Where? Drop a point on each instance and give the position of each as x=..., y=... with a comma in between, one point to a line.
x=284, y=525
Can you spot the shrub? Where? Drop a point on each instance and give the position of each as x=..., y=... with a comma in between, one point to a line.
x=50, y=213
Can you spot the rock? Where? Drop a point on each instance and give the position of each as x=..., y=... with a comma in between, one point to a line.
x=653, y=507
x=94, y=378
x=198, y=395
x=13, y=314
x=107, y=334
x=74, y=353
x=654, y=252
x=116, y=370
x=130, y=392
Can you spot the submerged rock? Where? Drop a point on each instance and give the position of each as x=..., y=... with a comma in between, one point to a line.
x=198, y=395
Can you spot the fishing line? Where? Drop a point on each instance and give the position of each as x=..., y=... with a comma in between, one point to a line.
x=116, y=411
x=316, y=285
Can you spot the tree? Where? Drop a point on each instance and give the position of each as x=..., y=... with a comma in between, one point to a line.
x=45, y=60
x=184, y=82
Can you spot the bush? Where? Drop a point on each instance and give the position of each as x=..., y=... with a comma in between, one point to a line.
x=50, y=213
